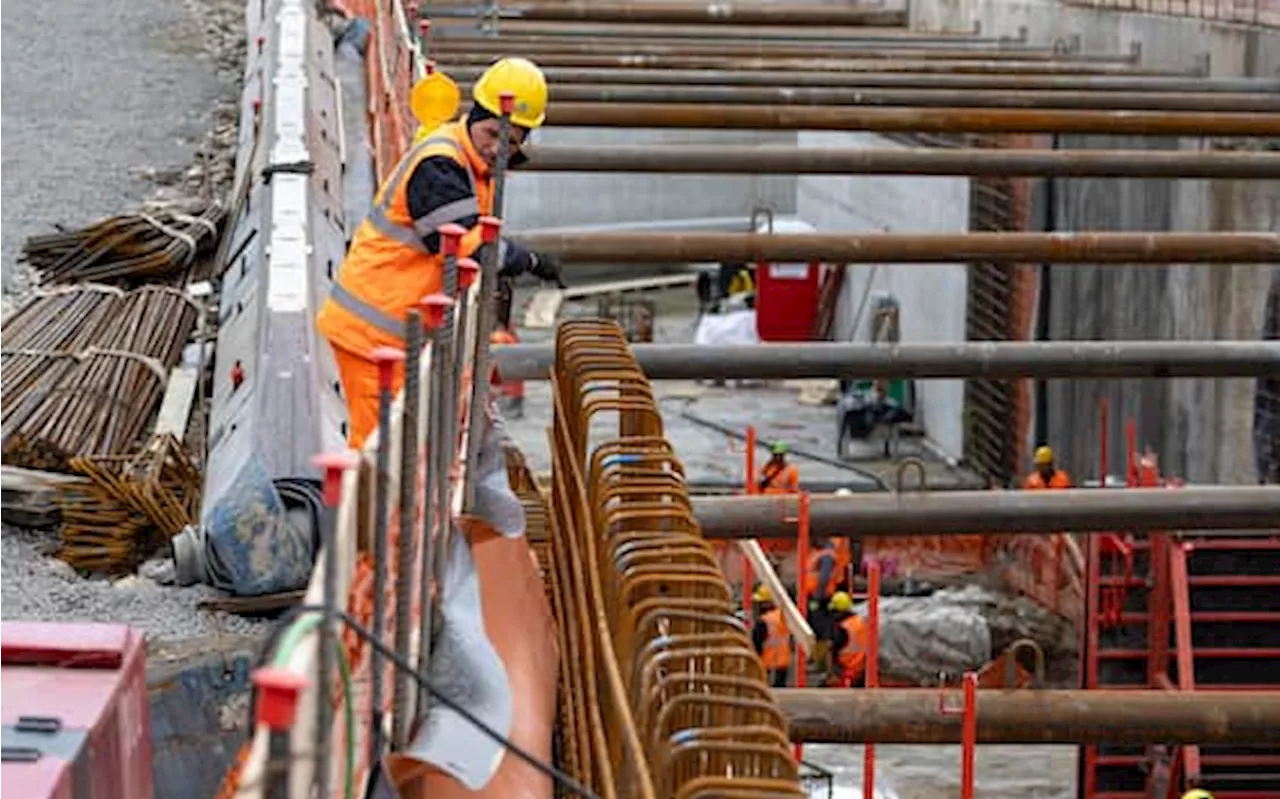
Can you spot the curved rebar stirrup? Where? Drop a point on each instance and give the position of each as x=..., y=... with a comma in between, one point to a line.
x=900, y=474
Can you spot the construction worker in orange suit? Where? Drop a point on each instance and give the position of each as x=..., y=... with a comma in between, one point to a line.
x=848, y=642
x=771, y=638
x=395, y=260
x=1046, y=475
x=777, y=476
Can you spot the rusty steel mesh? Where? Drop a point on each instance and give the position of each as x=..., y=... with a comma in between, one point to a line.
x=661, y=691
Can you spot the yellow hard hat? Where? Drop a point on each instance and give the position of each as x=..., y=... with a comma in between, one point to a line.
x=434, y=100
x=1044, y=456
x=840, y=602
x=522, y=78
x=762, y=594
x=1197, y=793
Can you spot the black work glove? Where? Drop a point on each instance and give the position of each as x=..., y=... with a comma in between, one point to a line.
x=546, y=266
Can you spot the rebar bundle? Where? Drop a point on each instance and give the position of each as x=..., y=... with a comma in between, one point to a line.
x=85, y=369
x=132, y=504
x=156, y=246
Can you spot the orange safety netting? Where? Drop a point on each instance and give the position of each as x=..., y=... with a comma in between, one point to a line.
x=389, y=68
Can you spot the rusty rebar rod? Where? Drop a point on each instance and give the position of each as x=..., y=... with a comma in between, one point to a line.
x=920, y=98
x=669, y=247
x=535, y=48
x=930, y=716
x=912, y=120
x=890, y=80
x=911, y=513
x=820, y=64
x=787, y=160
x=987, y=360
x=677, y=13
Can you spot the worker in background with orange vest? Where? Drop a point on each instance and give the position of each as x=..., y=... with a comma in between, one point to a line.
x=1045, y=475
x=848, y=643
x=771, y=638
x=777, y=476
x=395, y=259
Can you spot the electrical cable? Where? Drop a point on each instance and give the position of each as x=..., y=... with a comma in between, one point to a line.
x=556, y=775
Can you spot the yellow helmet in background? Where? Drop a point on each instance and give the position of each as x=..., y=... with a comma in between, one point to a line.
x=1044, y=456
x=762, y=594
x=524, y=80
x=840, y=602
x=1197, y=793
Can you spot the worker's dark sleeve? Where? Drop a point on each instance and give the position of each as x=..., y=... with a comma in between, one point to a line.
x=826, y=564
x=839, y=639
x=759, y=634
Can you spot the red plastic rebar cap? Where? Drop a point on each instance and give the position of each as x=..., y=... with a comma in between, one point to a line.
x=507, y=102
x=451, y=238
x=386, y=358
x=434, y=307
x=278, y=692
x=468, y=272
x=333, y=464
x=424, y=25
x=430, y=67
x=490, y=228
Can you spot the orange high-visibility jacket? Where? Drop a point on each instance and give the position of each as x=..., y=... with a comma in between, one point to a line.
x=813, y=569
x=780, y=481
x=776, y=653
x=388, y=268
x=1060, y=479
x=853, y=656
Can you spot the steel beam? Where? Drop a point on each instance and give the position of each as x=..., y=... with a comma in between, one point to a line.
x=536, y=48
x=1005, y=360
x=920, y=98
x=788, y=160
x=891, y=80
x=931, y=716
x=719, y=13
x=912, y=120
x=955, y=512
x=825, y=64
x=454, y=30
x=1084, y=248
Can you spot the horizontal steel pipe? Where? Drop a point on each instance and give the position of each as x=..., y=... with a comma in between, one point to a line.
x=920, y=98
x=916, y=716
x=912, y=120
x=720, y=13
x=787, y=160
x=1089, y=248
x=834, y=34
x=535, y=48
x=957, y=512
x=891, y=80
x=821, y=64
x=1005, y=360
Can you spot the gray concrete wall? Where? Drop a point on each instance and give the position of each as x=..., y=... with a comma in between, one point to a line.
x=1201, y=428
x=559, y=199
x=931, y=298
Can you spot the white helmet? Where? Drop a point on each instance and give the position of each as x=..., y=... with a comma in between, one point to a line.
x=843, y=492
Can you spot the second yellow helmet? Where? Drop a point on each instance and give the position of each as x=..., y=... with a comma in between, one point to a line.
x=524, y=81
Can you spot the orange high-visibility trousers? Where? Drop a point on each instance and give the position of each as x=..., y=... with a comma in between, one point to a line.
x=359, y=377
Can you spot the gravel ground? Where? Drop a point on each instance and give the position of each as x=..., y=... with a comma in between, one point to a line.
x=137, y=107
x=102, y=101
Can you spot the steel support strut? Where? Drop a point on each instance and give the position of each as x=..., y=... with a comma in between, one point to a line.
x=911, y=716
x=1088, y=248
x=1003, y=360
x=944, y=512
x=675, y=13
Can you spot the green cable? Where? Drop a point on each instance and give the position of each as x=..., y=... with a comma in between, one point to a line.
x=293, y=635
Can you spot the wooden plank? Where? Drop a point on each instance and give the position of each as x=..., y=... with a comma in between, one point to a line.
x=544, y=306
x=796, y=622
x=175, y=407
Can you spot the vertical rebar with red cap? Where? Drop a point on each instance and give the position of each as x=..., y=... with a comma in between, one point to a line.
x=388, y=360
x=490, y=232
x=333, y=465
x=802, y=593
x=446, y=448
x=968, y=735
x=278, y=691
x=435, y=311
x=406, y=552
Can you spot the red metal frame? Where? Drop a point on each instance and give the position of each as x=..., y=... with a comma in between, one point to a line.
x=872, y=669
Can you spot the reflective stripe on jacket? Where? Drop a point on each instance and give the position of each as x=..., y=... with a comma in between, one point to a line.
x=390, y=267
x=776, y=653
